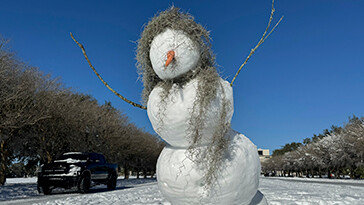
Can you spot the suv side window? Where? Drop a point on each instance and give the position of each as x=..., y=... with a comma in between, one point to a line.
x=102, y=159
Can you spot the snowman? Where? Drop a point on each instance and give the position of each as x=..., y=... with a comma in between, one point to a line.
x=190, y=107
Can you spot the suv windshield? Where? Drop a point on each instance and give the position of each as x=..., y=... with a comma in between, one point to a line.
x=72, y=158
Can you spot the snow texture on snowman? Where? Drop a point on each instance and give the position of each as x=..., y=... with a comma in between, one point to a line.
x=190, y=107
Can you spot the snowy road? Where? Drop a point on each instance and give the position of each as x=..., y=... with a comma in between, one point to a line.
x=312, y=191
x=134, y=191
x=98, y=195
x=359, y=183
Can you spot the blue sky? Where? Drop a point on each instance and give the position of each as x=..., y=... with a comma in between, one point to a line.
x=306, y=77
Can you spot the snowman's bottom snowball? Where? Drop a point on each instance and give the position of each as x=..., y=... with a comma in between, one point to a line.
x=181, y=182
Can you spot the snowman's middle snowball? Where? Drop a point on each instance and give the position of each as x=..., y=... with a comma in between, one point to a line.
x=173, y=124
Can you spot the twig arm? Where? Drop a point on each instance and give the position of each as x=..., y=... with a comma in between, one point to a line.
x=264, y=37
x=102, y=80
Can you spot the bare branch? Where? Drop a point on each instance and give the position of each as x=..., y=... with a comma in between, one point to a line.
x=27, y=124
x=264, y=37
x=102, y=80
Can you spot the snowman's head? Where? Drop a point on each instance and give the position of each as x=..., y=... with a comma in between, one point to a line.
x=172, y=47
x=173, y=53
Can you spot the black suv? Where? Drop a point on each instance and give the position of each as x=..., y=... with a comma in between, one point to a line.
x=77, y=169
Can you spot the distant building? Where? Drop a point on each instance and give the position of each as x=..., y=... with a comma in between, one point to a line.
x=263, y=154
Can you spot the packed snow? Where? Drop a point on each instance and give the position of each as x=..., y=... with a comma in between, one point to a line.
x=277, y=190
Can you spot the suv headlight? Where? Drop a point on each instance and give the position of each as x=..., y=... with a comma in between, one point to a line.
x=74, y=170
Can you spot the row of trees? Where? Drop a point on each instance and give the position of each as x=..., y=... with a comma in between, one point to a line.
x=339, y=151
x=40, y=119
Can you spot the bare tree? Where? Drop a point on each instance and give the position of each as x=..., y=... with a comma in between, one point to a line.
x=19, y=105
x=335, y=151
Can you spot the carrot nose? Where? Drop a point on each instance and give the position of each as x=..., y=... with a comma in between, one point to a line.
x=170, y=57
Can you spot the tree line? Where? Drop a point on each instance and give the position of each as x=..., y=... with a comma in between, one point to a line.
x=40, y=119
x=335, y=152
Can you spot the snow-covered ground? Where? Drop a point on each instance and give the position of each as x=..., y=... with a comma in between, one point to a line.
x=21, y=180
x=312, y=191
x=145, y=191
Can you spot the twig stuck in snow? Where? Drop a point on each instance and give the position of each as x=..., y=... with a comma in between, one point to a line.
x=264, y=37
x=102, y=80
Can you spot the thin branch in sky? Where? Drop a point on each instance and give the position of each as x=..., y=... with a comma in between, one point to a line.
x=102, y=80
x=264, y=37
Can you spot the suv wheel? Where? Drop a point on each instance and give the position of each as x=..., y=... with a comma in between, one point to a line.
x=111, y=181
x=84, y=184
x=46, y=190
